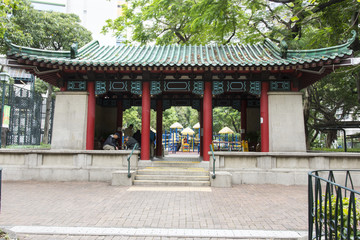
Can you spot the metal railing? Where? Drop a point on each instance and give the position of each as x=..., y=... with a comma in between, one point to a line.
x=212, y=151
x=128, y=159
x=334, y=209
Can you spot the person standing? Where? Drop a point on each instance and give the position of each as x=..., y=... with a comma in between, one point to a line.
x=129, y=131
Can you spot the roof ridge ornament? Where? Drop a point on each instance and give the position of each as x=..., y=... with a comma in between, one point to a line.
x=351, y=40
x=283, y=48
x=74, y=50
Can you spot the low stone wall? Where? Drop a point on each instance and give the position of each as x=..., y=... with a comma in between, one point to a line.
x=64, y=165
x=98, y=165
x=281, y=168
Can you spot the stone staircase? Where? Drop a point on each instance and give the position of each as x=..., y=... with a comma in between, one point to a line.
x=175, y=171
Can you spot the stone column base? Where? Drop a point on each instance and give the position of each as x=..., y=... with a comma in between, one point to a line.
x=222, y=179
x=120, y=178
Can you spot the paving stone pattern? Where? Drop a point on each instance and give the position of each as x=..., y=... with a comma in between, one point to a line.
x=84, y=204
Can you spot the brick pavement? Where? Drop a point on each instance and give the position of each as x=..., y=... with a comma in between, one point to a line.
x=84, y=204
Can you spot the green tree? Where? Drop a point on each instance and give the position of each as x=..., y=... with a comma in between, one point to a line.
x=226, y=117
x=45, y=30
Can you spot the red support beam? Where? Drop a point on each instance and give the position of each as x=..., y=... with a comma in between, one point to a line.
x=201, y=129
x=119, y=120
x=264, y=117
x=243, y=118
x=207, y=120
x=145, y=122
x=90, y=130
x=159, y=119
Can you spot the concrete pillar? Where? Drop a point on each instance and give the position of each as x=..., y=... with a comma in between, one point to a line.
x=159, y=118
x=207, y=120
x=264, y=116
x=286, y=122
x=145, y=122
x=90, y=131
x=70, y=121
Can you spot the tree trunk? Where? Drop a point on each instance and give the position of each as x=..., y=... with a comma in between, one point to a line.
x=307, y=104
x=48, y=114
x=330, y=137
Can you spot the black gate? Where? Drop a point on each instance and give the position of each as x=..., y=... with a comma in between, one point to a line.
x=334, y=206
x=27, y=110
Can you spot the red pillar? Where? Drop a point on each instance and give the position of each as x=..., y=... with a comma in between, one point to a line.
x=264, y=117
x=119, y=120
x=145, y=122
x=201, y=129
x=207, y=120
x=90, y=130
x=63, y=88
x=159, y=118
x=243, y=118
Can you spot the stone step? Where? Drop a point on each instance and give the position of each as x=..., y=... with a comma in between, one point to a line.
x=173, y=171
x=178, y=164
x=172, y=177
x=172, y=183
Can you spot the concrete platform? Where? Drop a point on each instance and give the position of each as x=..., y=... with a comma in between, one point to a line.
x=99, y=211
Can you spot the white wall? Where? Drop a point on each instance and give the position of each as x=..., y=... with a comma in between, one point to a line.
x=70, y=121
x=286, y=122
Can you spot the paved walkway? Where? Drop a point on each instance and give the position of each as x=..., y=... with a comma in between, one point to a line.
x=83, y=210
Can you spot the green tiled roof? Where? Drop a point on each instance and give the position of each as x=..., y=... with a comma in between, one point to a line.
x=266, y=54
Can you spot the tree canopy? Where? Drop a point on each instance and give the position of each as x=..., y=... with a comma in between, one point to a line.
x=26, y=26
x=303, y=24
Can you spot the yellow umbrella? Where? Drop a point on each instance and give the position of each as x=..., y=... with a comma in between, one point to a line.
x=187, y=131
x=176, y=125
x=226, y=130
x=196, y=126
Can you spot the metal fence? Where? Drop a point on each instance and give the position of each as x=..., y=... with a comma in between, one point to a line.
x=334, y=209
x=26, y=116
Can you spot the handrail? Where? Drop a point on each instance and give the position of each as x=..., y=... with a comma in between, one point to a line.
x=128, y=159
x=212, y=150
x=331, y=214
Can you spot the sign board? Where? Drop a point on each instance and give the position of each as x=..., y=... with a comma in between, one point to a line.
x=6, y=117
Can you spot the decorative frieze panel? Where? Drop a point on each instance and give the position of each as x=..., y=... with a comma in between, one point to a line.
x=280, y=86
x=255, y=87
x=118, y=86
x=239, y=86
x=218, y=88
x=136, y=87
x=155, y=87
x=177, y=86
x=198, y=87
x=100, y=87
x=76, y=86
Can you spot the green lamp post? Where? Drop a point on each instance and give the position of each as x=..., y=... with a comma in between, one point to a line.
x=4, y=78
